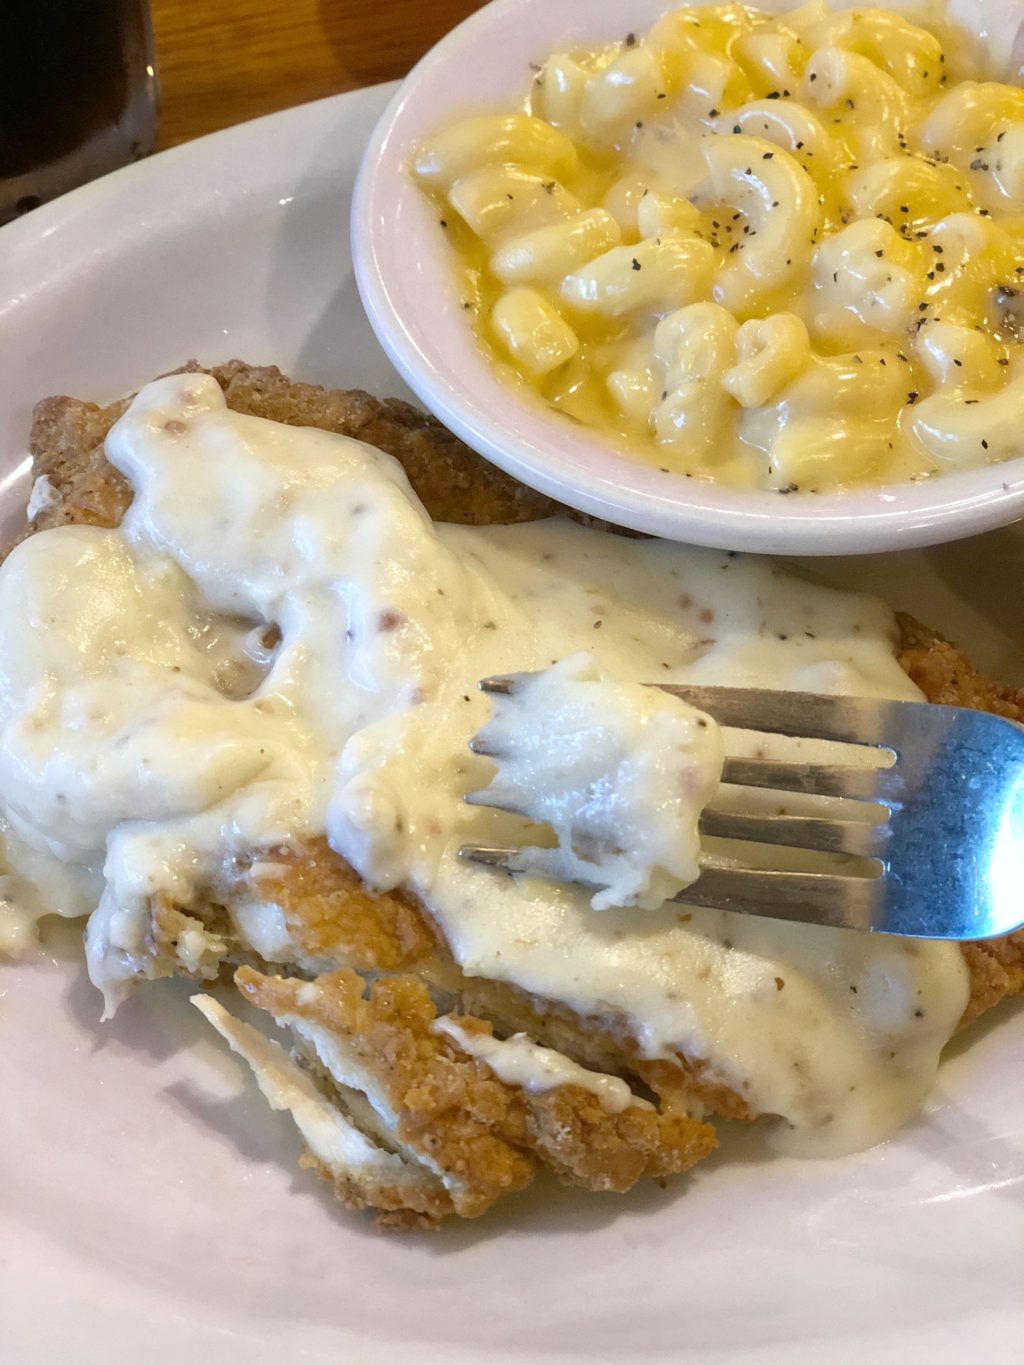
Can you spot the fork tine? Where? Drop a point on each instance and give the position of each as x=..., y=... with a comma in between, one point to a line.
x=852, y=720
x=488, y=796
x=805, y=897
x=862, y=784
x=858, y=837
x=507, y=859
x=502, y=684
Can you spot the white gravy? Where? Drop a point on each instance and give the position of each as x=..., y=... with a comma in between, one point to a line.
x=150, y=728
x=619, y=772
x=520, y=1061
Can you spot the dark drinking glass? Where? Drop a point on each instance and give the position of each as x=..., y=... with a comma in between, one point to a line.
x=77, y=94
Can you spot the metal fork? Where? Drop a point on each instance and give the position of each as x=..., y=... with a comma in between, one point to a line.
x=946, y=858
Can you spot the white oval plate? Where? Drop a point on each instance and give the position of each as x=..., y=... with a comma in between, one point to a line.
x=150, y=1206
x=412, y=298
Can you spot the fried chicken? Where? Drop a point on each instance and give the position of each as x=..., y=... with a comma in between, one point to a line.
x=398, y=1117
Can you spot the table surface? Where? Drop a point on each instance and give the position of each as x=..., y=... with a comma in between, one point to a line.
x=220, y=63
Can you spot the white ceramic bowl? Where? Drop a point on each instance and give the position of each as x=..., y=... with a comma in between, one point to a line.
x=404, y=270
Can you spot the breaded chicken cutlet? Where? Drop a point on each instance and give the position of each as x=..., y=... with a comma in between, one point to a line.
x=399, y=1116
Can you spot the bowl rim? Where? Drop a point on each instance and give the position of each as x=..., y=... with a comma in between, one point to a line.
x=411, y=301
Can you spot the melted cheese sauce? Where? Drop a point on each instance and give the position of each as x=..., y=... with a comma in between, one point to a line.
x=780, y=251
x=278, y=643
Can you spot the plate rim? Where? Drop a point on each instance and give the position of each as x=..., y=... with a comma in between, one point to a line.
x=430, y=1350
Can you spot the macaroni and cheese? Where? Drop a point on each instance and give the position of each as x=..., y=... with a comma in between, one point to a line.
x=777, y=251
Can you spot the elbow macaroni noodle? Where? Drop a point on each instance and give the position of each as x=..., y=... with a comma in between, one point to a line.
x=779, y=251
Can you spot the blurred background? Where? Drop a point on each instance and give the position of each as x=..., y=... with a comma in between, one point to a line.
x=221, y=63
x=89, y=85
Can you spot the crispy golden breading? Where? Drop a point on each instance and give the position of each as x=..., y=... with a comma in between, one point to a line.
x=330, y=914
x=67, y=448
x=482, y=1136
x=602, y=1042
x=394, y=1206
x=996, y=966
x=945, y=676
x=447, y=1111
x=454, y=483
x=363, y=1172
x=169, y=922
x=447, y=1108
